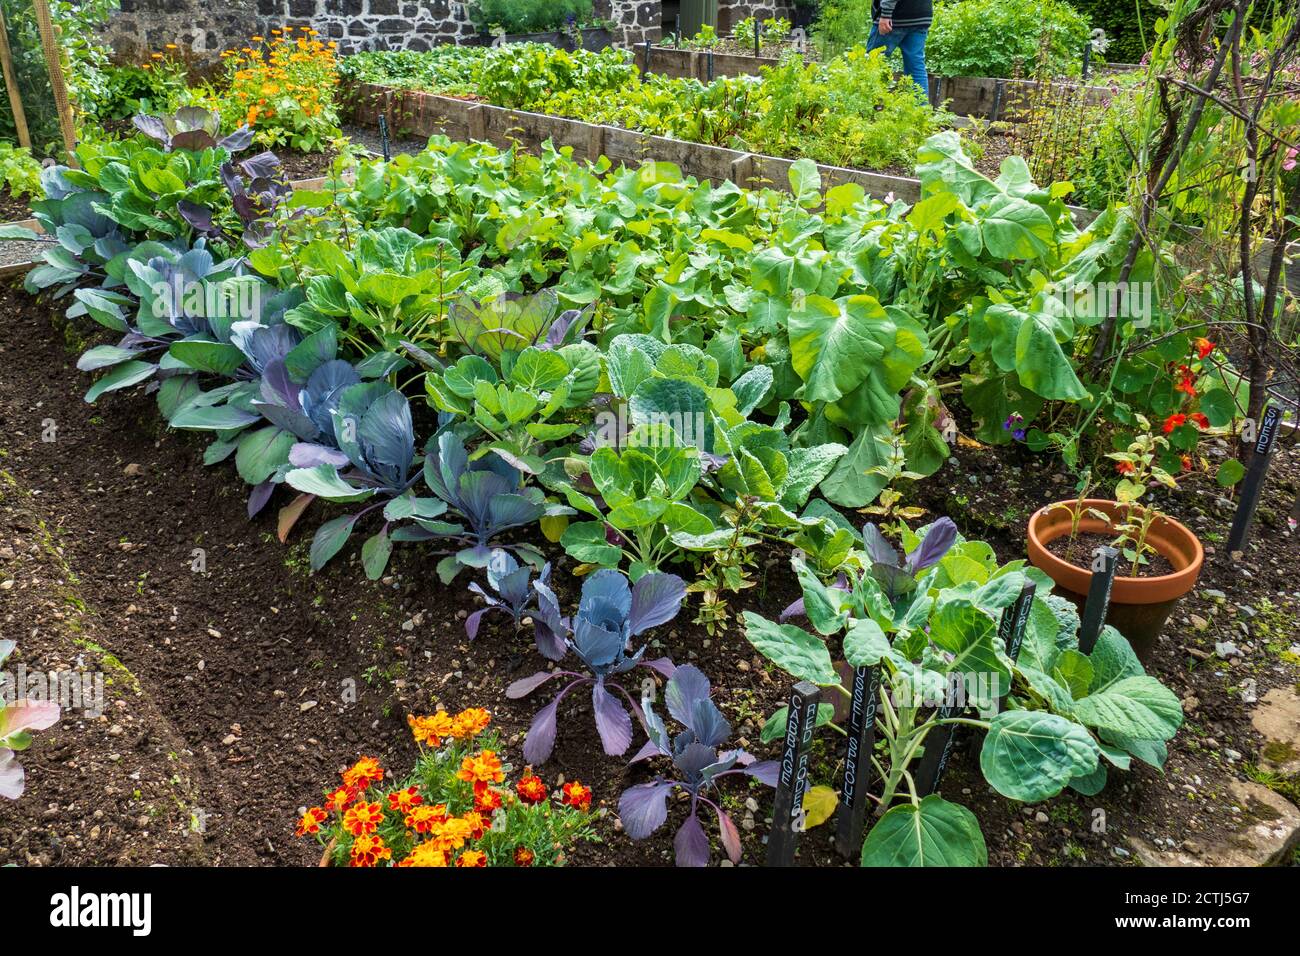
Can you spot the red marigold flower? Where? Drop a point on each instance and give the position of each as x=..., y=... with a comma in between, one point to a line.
x=1203, y=347
x=311, y=821
x=524, y=856
x=530, y=787
x=363, y=818
x=403, y=800
x=1201, y=421
x=576, y=795
x=368, y=850
x=472, y=858
x=486, y=799
x=1173, y=421
x=424, y=819
x=1125, y=467
x=363, y=773
x=340, y=799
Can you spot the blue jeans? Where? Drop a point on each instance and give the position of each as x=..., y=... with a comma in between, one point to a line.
x=911, y=40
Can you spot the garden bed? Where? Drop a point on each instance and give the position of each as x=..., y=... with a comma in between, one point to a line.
x=428, y=114
x=985, y=97
x=592, y=38
x=226, y=693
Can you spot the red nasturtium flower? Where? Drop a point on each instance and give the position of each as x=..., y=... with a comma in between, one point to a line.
x=1173, y=421
x=486, y=799
x=524, y=856
x=472, y=858
x=1187, y=386
x=311, y=821
x=1186, y=462
x=340, y=799
x=404, y=800
x=363, y=818
x=363, y=773
x=368, y=850
x=530, y=787
x=576, y=795
x=1201, y=421
x=1125, y=467
x=1203, y=347
x=484, y=767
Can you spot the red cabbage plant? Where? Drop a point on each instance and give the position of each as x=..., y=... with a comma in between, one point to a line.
x=610, y=614
x=643, y=809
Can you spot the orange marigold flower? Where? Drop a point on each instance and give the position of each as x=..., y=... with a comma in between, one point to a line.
x=576, y=795
x=470, y=723
x=1173, y=421
x=472, y=858
x=311, y=821
x=1201, y=421
x=368, y=850
x=363, y=818
x=484, y=767
x=530, y=787
x=1203, y=347
x=425, y=819
x=486, y=799
x=1125, y=467
x=477, y=825
x=340, y=799
x=431, y=730
x=404, y=800
x=452, y=834
x=426, y=854
x=363, y=773
x=524, y=856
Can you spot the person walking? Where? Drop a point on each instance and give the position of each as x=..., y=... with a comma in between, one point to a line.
x=903, y=25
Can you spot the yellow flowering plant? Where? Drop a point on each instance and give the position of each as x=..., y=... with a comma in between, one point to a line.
x=456, y=808
x=283, y=87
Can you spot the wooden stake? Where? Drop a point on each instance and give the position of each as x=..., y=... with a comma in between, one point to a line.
x=11, y=84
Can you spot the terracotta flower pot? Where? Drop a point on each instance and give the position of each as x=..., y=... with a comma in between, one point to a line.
x=1139, y=607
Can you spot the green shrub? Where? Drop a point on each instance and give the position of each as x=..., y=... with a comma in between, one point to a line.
x=528, y=16
x=20, y=174
x=997, y=38
x=1129, y=25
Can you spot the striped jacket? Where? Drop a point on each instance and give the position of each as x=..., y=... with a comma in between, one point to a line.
x=905, y=14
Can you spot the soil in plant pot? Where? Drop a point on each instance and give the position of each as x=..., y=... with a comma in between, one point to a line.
x=1080, y=549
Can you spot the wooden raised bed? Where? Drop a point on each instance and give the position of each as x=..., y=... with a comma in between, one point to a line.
x=985, y=97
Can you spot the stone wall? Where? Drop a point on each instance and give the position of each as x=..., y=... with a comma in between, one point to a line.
x=208, y=26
